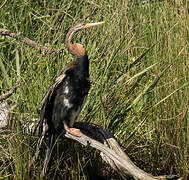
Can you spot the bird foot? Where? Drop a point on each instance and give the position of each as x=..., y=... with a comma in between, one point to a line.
x=74, y=131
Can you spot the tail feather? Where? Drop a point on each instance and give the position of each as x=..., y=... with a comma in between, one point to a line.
x=48, y=155
x=40, y=140
x=40, y=124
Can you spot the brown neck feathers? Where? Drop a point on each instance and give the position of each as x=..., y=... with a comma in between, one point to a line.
x=75, y=49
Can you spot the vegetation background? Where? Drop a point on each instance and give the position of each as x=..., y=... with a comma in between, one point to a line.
x=139, y=67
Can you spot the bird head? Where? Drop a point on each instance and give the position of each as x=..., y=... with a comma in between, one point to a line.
x=77, y=49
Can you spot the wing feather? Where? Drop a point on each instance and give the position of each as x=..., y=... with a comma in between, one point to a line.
x=47, y=97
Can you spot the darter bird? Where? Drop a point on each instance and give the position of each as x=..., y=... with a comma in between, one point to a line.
x=63, y=100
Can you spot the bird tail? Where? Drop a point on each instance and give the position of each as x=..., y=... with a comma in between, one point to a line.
x=40, y=124
x=40, y=140
x=48, y=155
x=35, y=157
x=34, y=131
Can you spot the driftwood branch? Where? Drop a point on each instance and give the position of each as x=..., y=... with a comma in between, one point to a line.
x=29, y=42
x=111, y=152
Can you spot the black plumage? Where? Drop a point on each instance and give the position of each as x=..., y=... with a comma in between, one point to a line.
x=64, y=99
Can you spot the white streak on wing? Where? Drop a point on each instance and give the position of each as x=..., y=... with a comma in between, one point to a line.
x=66, y=90
x=67, y=103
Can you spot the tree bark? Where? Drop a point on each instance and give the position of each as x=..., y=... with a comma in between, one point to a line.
x=111, y=152
x=29, y=42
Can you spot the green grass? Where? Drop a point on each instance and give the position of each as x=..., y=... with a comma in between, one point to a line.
x=139, y=70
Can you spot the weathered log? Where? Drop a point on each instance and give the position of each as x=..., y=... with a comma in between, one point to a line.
x=110, y=150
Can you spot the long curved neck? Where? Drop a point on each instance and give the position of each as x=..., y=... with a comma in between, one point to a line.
x=83, y=66
x=75, y=49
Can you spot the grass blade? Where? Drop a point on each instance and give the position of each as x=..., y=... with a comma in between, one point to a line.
x=184, y=85
x=4, y=72
x=17, y=64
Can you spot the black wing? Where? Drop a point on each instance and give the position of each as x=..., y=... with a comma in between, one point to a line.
x=49, y=94
x=47, y=98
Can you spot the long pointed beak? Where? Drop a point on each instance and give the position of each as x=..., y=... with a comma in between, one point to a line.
x=92, y=24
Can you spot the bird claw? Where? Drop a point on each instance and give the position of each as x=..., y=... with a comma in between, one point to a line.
x=75, y=132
